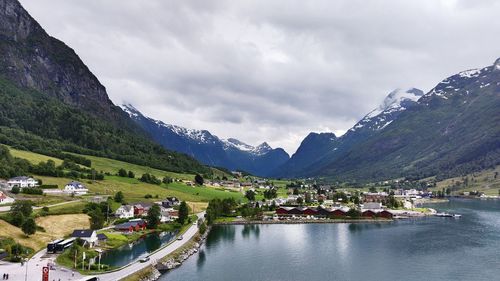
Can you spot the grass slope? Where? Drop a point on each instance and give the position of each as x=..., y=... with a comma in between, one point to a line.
x=55, y=227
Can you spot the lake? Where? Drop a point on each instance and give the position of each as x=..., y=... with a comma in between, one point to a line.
x=130, y=252
x=466, y=248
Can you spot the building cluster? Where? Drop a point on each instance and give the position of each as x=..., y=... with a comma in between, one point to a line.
x=167, y=211
x=322, y=212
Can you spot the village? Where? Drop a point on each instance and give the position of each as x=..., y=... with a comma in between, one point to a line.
x=123, y=224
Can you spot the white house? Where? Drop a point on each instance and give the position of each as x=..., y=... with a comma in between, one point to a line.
x=125, y=212
x=76, y=188
x=87, y=235
x=21, y=182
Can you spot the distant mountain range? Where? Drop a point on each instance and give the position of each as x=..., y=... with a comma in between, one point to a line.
x=210, y=149
x=453, y=129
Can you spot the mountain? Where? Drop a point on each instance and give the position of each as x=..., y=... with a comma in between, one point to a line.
x=318, y=150
x=51, y=101
x=452, y=130
x=210, y=149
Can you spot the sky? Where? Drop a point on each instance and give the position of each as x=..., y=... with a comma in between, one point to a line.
x=270, y=70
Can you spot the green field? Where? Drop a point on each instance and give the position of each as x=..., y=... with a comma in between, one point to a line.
x=34, y=158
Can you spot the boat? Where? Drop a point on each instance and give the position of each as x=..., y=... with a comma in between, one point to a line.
x=447, y=215
x=443, y=215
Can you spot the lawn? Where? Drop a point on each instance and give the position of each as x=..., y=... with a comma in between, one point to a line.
x=112, y=166
x=32, y=157
x=55, y=227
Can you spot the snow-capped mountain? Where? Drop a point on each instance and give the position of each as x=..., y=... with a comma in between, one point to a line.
x=209, y=149
x=396, y=102
x=452, y=130
x=316, y=148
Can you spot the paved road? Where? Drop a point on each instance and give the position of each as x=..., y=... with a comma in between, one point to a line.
x=136, y=266
x=7, y=208
x=40, y=259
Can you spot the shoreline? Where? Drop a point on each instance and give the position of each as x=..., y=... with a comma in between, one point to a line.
x=305, y=221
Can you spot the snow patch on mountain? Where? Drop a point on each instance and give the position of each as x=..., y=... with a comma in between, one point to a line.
x=397, y=100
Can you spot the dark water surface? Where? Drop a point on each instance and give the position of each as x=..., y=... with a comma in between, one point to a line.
x=128, y=253
x=419, y=249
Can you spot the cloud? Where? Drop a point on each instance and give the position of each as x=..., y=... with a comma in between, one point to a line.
x=270, y=70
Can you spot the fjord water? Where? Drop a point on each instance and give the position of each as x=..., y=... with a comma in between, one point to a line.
x=430, y=248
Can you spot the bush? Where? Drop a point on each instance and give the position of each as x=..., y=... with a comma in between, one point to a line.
x=49, y=186
x=15, y=190
x=32, y=190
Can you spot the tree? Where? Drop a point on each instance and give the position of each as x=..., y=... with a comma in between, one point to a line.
x=29, y=227
x=131, y=174
x=167, y=180
x=17, y=219
x=372, y=189
x=119, y=197
x=122, y=173
x=250, y=195
x=300, y=200
x=24, y=207
x=295, y=191
x=183, y=212
x=96, y=219
x=198, y=179
x=15, y=190
x=153, y=217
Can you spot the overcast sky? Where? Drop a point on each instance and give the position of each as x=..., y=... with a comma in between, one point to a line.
x=270, y=70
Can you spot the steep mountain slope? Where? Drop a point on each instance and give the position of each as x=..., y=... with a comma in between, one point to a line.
x=453, y=129
x=311, y=149
x=316, y=151
x=209, y=149
x=49, y=100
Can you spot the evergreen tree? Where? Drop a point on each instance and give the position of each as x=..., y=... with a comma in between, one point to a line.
x=119, y=197
x=183, y=212
x=153, y=216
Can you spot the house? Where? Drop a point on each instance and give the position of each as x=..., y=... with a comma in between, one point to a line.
x=102, y=238
x=372, y=205
x=76, y=188
x=131, y=226
x=386, y=214
x=87, y=235
x=125, y=212
x=337, y=213
x=169, y=202
x=138, y=210
x=374, y=197
x=368, y=214
x=21, y=182
x=165, y=215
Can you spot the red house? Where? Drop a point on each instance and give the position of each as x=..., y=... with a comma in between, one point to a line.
x=282, y=211
x=337, y=213
x=368, y=214
x=385, y=214
x=138, y=210
x=310, y=212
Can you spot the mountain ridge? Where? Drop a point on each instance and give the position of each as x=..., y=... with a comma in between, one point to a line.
x=229, y=153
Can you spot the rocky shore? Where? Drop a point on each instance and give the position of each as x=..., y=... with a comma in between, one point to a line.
x=179, y=258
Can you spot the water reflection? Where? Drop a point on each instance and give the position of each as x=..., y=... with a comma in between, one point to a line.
x=130, y=252
x=249, y=229
x=201, y=259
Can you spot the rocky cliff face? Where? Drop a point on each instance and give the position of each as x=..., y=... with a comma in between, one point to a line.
x=32, y=59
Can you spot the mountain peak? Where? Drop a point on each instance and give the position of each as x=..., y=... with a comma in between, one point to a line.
x=396, y=100
x=496, y=65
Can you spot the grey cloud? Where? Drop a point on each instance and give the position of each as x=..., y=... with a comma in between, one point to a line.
x=270, y=70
